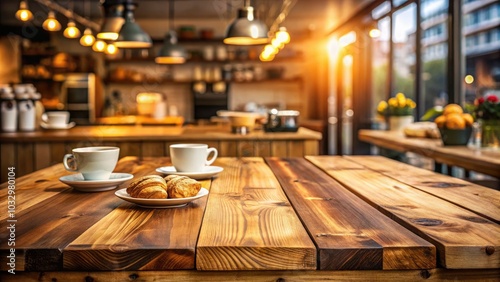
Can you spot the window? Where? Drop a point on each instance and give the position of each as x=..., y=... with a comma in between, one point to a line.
x=404, y=48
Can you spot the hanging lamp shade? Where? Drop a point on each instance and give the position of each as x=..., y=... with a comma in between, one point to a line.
x=51, y=23
x=246, y=29
x=71, y=31
x=88, y=38
x=24, y=14
x=171, y=52
x=131, y=34
x=113, y=20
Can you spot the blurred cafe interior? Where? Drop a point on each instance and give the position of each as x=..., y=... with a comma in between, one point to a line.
x=317, y=65
x=250, y=140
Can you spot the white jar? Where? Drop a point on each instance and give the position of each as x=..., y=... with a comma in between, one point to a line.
x=26, y=110
x=9, y=114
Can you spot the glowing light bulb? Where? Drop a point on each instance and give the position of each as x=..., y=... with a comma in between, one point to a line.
x=111, y=49
x=71, y=30
x=88, y=38
x=283, y=36
x=24, y=14
x=469, y=79
x=99, y=46
x=51, y=24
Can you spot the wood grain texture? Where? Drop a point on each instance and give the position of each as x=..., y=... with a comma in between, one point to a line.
x=134, y=238
x=483, y=275
x=349, y=233
x=482, y=160
x=47, y=208
x=485, y=202
x=249, y=223
x=463, y=238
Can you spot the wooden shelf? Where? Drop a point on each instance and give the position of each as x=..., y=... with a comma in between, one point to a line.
x=201, y=61
x=109, y=81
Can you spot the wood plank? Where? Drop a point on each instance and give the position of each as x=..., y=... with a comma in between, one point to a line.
x=480, y=160
x=262, y=149
x=295, y=149
x=42, y=236
x=33, y=189
x=41, y=156
x=249, y=223
x=463, y=239
x=7, y=160
x=279, y=148
x=349, y=233
x=483, y=275
x=485, y=202
x=25, y=157
x=108, y=245
x=245, y=149
x=152, y=149
x=228, y=149
x=57, y=151
x=311, y=148
x=130, y=149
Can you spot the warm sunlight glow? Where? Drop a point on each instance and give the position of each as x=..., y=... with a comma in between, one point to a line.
x=469, y=79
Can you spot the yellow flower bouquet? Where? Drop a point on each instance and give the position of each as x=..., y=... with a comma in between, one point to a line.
x=399, y=105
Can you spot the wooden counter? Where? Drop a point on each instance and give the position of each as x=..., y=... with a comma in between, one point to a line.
x=482, y=160
x=30, y=151
x=358, y=218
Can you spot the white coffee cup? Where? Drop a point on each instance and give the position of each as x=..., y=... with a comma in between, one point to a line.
x=56, y=119
x=94, y=163
x=191, y=157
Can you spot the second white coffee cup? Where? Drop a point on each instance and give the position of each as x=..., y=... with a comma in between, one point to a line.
x=94, y=163
x=56, y=118
x=191, y=157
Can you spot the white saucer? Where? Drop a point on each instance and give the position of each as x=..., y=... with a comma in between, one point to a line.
x=51, y=126
x=208, y=172
x=159, y=203
x=78, y=183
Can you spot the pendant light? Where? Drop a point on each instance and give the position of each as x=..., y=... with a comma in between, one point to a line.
x=24, y=14
x=99, y=46
x=171, y=52
x=71, y=31
x=51, y=23
x=113, y=20
x=88, y=38
x=245, y=29
x=131, y=34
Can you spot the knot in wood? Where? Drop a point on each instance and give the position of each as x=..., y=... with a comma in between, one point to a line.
x=442, y=184
x=89, y=279
x=133, y=276
x=427, y=221
x=425, y=274
x=490, y=250
x=280, y=280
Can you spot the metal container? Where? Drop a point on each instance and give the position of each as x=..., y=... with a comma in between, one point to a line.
x=282, y=121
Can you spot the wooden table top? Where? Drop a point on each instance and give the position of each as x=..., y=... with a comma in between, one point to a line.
x=482, y=160
x=153, y=132
x=352, y=216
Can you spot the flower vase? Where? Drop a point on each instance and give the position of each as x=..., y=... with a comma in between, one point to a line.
x=490, y=133
x=398, y=123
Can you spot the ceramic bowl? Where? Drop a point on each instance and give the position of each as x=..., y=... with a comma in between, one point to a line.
x=455, y=137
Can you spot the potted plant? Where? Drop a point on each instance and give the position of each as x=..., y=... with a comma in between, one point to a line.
x=487, y=112
x=398, y=110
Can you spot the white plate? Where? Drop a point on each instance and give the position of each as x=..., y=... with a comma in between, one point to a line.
x=159, y=203
x=208, y=172
x=48, y=126
x=78, y=183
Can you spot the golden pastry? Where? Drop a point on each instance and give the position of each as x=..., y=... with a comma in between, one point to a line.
x=182, y=186
x=149, y=187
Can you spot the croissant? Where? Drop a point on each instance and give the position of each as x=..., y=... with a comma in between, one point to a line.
x=149, y=187
x=182, y=186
